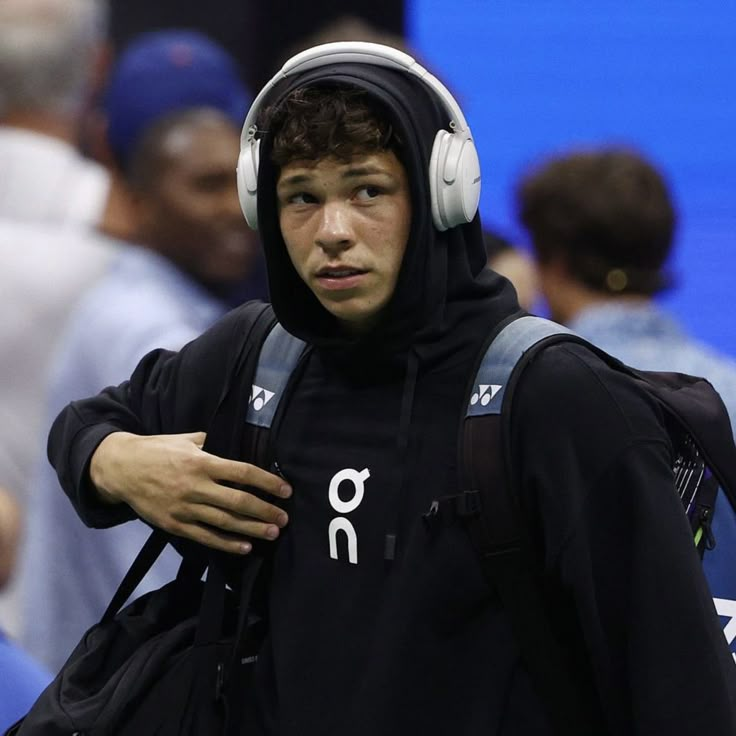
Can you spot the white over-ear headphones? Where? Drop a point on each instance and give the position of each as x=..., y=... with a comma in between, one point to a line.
x=454, y=169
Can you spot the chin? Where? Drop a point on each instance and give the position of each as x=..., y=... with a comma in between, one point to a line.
x=355, y=322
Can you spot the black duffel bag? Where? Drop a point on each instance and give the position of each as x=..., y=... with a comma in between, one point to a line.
x=178, y=660
x=175, y=661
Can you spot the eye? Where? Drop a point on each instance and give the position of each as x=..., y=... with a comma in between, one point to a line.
x=367, y=193
x=301, y=198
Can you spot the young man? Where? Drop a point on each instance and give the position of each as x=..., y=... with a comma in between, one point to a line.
x=370, y=263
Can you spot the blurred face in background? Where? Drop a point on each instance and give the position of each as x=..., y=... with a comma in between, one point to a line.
x=188, y=200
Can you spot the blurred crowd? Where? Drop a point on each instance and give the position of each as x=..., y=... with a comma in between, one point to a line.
x=121, y=232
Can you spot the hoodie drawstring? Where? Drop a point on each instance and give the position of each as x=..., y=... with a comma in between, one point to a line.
x=402, y=444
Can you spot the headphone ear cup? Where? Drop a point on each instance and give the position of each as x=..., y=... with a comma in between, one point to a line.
x=247, y=174
x=435, y=180
x=454, y=180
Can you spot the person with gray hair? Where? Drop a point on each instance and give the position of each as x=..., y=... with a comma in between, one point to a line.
x=50, y=56
x=52, y=202
x=175, y=105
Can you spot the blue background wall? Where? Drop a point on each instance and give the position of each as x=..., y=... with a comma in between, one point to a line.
x=535, y=77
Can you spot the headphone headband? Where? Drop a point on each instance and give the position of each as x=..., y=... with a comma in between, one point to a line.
x=454, y=169
x=361, y=52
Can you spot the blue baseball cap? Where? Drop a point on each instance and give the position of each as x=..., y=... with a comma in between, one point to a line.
x=161, y=72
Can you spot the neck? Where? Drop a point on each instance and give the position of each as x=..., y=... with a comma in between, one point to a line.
x=568, y=298
x=118, y=220
x=61, y=127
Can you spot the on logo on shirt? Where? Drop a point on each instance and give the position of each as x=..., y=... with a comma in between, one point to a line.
x=357, y=479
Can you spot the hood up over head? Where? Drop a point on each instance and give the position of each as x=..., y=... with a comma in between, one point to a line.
x=443, y=274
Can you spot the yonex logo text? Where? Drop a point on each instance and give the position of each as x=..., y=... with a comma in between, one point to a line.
x=486, y=392
x=259, y=397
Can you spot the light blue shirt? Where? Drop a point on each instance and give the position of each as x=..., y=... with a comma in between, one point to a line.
x=645, y=337
x=21, y=682
x=69, y=572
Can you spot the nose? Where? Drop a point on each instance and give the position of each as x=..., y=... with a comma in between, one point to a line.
x=334, y=232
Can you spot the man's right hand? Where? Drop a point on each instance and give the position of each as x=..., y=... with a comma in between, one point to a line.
x=169, y=481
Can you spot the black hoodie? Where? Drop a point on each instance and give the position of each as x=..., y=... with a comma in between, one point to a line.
x=380, y=624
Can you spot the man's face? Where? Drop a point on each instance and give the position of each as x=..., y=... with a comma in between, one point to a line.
x=192, y=213
x=346, y=226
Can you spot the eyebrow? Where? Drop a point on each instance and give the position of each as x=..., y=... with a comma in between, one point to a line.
x=294, y=180
x=364, y=171
x=297, y=179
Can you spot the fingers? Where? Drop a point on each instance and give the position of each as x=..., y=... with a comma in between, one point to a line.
x=210, y=537
x=233, y=506
x=248, y=475
x=231, y=515
x=171, y=483
x=236, y=525
x=222, y=529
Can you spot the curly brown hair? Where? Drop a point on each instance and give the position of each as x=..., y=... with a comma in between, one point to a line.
x=318, y=122
x=608, y=212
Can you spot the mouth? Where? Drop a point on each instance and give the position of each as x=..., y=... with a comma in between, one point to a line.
x=339, y=272
x=340, y=277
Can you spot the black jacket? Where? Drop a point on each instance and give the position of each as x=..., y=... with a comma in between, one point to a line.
x=362, y=642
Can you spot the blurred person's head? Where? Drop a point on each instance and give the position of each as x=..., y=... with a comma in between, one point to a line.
x=157, y=74
x=601, y=224
x=513, y=263
x=161, y=72
x=348, y=27
x=49, y=52
x=182, y=178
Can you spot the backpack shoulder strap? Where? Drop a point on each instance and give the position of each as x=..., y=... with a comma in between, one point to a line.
x=243, y=364
x=277, y=360
x=484, y=427
x=501, y=357
x=496, y=526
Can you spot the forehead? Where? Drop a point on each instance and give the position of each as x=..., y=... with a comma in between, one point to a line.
x=383, y=163
x=203, y=139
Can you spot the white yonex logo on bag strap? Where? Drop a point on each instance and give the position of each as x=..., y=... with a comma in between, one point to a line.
x=340, y=523
x=484, y=394
x=727, y=608
x=500, y=359
x=259, y=397
x=277, y=360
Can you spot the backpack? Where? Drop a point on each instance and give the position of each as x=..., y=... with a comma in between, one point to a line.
x=131, y=663
x=704, y=474
x=704, y=478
